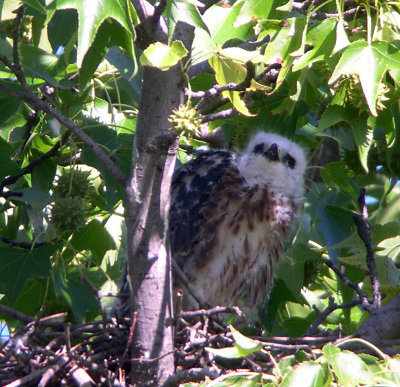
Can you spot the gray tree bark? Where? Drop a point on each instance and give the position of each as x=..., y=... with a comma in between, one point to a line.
x=147, y=201
x=382, y=324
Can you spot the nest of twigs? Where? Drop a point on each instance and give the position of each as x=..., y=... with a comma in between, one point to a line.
x=47, y=352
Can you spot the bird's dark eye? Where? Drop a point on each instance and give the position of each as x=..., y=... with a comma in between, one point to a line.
x=289, y=161
x=259, y=148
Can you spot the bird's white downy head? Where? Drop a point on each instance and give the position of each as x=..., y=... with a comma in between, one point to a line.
x=275, y=161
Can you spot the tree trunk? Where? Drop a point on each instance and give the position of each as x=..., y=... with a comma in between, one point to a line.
x=147, y=206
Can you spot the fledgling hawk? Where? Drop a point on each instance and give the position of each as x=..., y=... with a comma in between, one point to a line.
x=230, y=215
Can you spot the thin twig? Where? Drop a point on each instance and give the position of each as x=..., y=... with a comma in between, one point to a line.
x=186, y=284
x=321, y=316
x=212, y=311
x=348, y=15
x=364, y=231
x=212, y=97
x=130, y=337
x=25, y=245
x=37, y=104
x=363, y=297
x=31, y=166
x=218, y=89
x=9, y=194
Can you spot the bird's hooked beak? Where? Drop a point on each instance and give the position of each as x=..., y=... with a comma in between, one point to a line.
x=272, y=153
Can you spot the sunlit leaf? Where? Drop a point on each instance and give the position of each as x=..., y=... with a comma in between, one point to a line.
x=348, y=367
x=93, y=237
x=307, y=374
x=219, y=21
x=163, y=56
x=245, y=344
x=230, y=71
x=255, y=9
x=187, y=12
x=288, y=38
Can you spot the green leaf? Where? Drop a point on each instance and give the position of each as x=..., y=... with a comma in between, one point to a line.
x=219, y=21
x=109, y=34
x=307, y=374
x=35, y=197
x=332, y=174
x=376, y=58
x=82, y=301
x=349, y=369
x=342, y=40
x=18, y=265
x=359, y=124
x=92, y=15
x=93, y=237
x=187, y=12
x=162, y=56
x=291, y=269
x=322, y=37
x=255, y=9
x=228, y=70
x=245, y=345
x=79, y=298
x=378, y=233
x=393, y=369
x=36, y=5
x=287, y=40
x=226, y=353
x=62, y=27
x=41, y=63
x=7, y=165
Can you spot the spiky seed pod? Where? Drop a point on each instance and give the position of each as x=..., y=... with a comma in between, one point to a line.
x=68, y=214
x=73, y=183
x=355, y=95
x=352, y=160
x=185, y=121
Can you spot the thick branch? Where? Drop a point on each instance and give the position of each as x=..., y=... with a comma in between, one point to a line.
x=382, y=324
x=222, y=115
x=16, y=314
x=152, y=25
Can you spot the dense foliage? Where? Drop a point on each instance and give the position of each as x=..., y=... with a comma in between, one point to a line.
x=326, y=73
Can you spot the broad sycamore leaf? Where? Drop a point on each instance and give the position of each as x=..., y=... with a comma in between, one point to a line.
x=370, y=62
x=92, y=15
